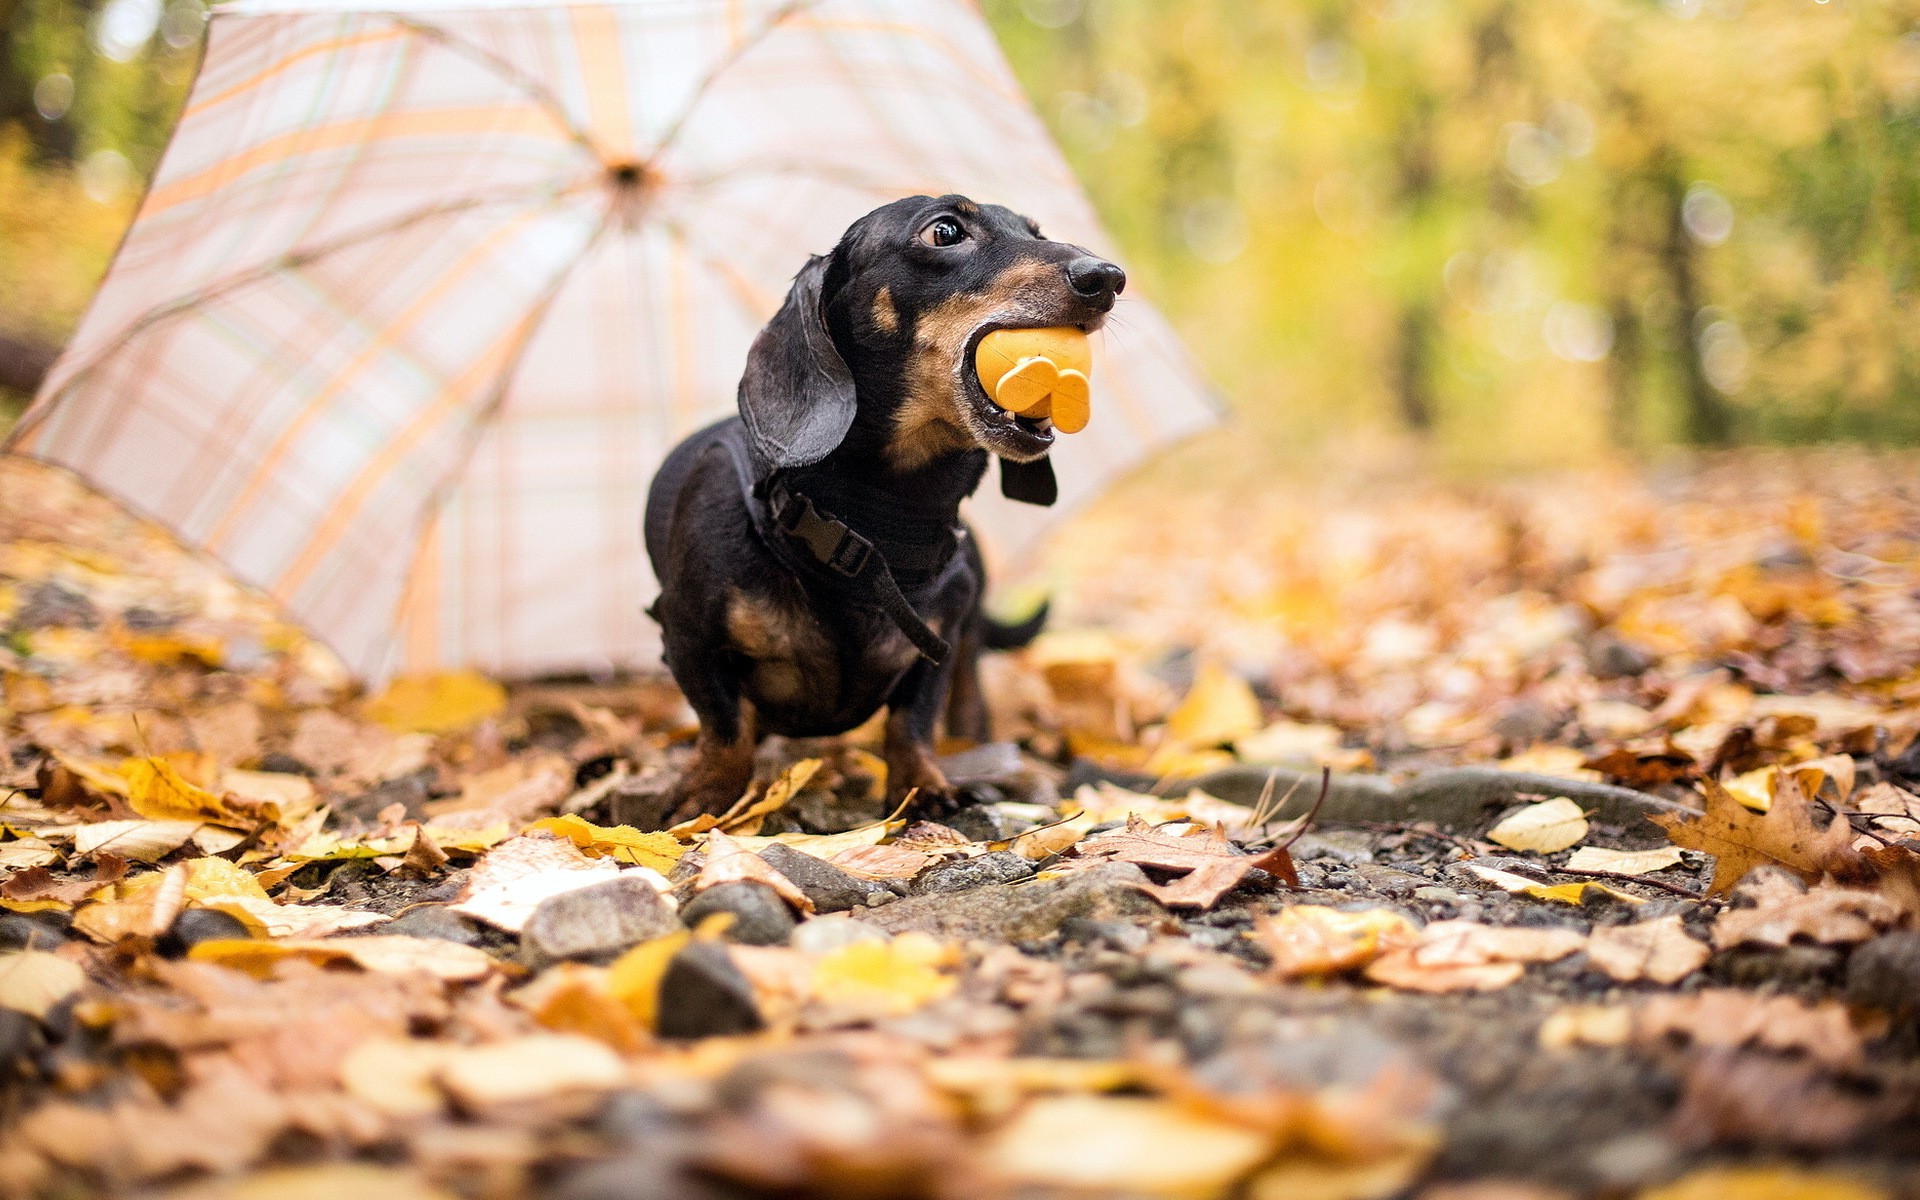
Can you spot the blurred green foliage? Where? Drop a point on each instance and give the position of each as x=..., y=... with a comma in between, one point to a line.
x=1533, y=228
x=1529, y=229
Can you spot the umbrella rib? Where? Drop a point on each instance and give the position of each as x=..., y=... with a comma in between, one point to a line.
x=774, y=20
x=290, y=261
x=443, y=490
x=538, y=92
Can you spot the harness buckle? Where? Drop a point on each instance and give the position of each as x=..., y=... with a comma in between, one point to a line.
x=834, y=544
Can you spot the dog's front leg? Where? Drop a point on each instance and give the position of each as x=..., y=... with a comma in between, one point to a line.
x=913, y=710
x=722, y=765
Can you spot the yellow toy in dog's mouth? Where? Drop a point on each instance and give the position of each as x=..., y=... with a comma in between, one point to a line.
x=1038, y=373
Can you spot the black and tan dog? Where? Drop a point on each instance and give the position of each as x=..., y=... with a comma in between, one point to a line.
x=812, y=563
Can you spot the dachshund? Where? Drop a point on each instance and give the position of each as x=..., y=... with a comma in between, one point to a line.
x=812, y=563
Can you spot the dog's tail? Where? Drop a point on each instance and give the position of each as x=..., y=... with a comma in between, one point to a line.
x=1017, y=634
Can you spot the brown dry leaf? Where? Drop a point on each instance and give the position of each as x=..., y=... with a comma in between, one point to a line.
x=1740, y=839
x=513, y=792
x=34, y=981
x=387, y=954
x=1825, y=913
x=1730, y=1018
x=515, y=876
x=747, y=816
x=1623, y=862
x=1660, y=950
x=24, y=852
x=141, y=841
x=727, y=861
x=1134, y=1145
x=1454, y=956
x=882, y=862
x=1213, y=867
x=1309, y=939
x=1746, y=1099
x=319, y=1181
x=531, y=1067
x=1587, y=1025
x=1544, y=828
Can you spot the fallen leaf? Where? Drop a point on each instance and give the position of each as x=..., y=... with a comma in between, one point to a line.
x=749, y=815
x=395, y=1075
x=1660, y=950
x=386, y=954
x=157, y=790
x=727, y=861
x=634, y=978
x=444, y=703
x=1824, y=913
x=623, y=843
x=1731, y=1098
x=1587, y=1025
x=318, y=1181
x=1131, y=1145
x=1741, y=840
x=530, y=1067
x=1562, y=893
x=1218, y=708
x=1212, y=866
x=890, y=978
x=1623, y=862
x=1317, y=1177
x=1544, y=828
x=24, y=852
x=1730, y=1018
x=34, y=981
x=515, y=876
x=1452, y=956
x=1764, y=1183
x=882, y=862
x=141, y=841
x=1309, y=939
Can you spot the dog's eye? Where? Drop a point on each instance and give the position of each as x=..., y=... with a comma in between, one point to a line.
x=944, y=231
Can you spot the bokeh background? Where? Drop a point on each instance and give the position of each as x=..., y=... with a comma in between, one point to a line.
x=1518, y=232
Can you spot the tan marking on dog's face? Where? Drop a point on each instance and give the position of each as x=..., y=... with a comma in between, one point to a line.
x=884, y=314
x=776, y=638
x=934, y=418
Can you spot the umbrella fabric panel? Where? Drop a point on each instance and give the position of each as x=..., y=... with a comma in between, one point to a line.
x=420, y=298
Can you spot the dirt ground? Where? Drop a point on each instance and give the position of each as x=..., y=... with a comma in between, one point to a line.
x=1609, y=887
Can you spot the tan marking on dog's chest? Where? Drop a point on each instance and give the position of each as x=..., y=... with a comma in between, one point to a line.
x=932, y=419
x=884, y=314
x=779, y=638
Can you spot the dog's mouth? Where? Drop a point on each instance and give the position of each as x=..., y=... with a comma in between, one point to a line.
x=1007, y=434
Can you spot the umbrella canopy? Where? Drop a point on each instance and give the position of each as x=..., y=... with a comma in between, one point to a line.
x=422, y=294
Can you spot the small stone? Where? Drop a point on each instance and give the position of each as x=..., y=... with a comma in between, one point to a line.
x=642, y=804
x=596, y=923
x=760, y=916
x=1794, y=966
x=19, y=931
x=1388, y=881
x=1002, y=912
x=830, y=888
x=703, y=994
x=1341, y=845
x=197, y=925
x=1437, y=895
x=879, y=898
x=1884, y=974
x=822, y=935
x=437, y=921
x=19, y=1036
x=965, y=874
x=645, y=1173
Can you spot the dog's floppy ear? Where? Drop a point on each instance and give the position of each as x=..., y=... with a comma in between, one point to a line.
x=797, y=395
x=1029, y=482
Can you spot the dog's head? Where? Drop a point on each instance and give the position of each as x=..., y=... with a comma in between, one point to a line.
x=875, y=342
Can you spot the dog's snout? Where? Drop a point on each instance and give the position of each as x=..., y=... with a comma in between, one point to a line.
x=1096, y=278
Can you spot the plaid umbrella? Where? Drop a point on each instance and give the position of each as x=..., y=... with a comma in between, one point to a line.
x=422, y=294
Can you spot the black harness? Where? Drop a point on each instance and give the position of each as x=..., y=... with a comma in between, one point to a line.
x=926, y=552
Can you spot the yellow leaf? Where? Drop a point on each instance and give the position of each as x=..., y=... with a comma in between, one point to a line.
x=1753, y=789
x=1576, y=893
x=885, y=978
x=1544, y=828
x=634, y=978
x=158, y=791
x=33, y=981
x=1763, y=1183
x=1310, y=939
x=1130, y=1145
x=1219, y=708
x=442, y=703
x=624, y=843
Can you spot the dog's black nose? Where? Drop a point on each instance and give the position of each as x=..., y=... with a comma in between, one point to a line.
x=1096, y=278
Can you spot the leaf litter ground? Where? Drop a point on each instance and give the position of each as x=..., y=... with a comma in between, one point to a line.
x=264, y=936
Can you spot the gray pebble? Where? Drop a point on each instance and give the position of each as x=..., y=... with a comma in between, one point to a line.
x=703, y=994
x=596, y=923
x=436, y=921
x=830, y=888
x=760, y=916
x=965, y=874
